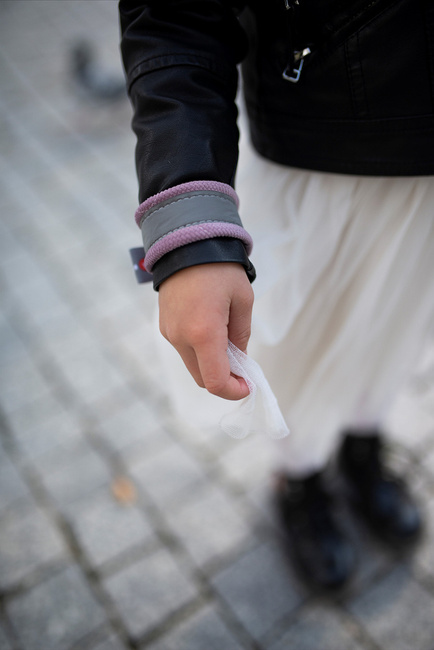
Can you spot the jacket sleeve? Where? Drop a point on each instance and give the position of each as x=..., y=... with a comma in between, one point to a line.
x=181, y=58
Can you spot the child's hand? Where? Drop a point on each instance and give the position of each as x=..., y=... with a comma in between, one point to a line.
x=201, y=307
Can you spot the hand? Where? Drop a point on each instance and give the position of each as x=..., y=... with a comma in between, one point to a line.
x=201, y=307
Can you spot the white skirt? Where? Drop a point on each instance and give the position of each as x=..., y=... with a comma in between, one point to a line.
x=344, y=298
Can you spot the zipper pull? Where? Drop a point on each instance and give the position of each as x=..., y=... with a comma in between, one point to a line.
x=292, y=73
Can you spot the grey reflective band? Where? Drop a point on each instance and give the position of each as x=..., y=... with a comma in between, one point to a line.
x=185, y=210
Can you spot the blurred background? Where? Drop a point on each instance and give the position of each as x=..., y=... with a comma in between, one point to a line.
x=121, y=527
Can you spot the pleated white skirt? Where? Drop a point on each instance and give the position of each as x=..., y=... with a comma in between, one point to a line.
x=344, y=299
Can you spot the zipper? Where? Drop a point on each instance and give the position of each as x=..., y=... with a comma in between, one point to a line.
x=292, y=71
x=332, y=35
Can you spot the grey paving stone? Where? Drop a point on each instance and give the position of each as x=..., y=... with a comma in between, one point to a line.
x=117, y=317
x=44, y=427
x=64, y=339
x=90, y=374
x=112, y=643
x=210, y=440
x=133, y=424
x=72, y=472
x=12, y=349
x=260, y=501
x=9, y=245
x=204, y=630
x=152, y=443
x=424, y=557
x=28, y=541
x=52, y=332
x=12, y=486
x=41, y=301
x=35, y=413
x=248, y=462
x=148, y=591
x=21, y=272
x=139, y=354
x=169, y=475
x=317, y=628
x=259, y=588
x=209, y=525
x=56, y=613
x=21, y=384
x=428, y=461
x=4, y=643
x=108, y=287
x=397, y=613
x=105, y=528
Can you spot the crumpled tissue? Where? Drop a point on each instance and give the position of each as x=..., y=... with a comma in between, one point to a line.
x=259, y=411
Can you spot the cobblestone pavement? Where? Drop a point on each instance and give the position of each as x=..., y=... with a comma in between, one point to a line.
x=121, y=527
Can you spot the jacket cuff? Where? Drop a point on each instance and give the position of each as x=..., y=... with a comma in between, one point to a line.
x=188, y=213
x=218, y=249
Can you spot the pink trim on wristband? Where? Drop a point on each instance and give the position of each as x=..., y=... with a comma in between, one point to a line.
x=197, y=232
x=176, y=190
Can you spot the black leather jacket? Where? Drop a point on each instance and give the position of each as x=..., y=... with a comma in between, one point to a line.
x=330, y=85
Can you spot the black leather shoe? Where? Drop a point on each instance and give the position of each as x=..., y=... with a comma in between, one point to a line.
x=380, y=497
x=321, y=552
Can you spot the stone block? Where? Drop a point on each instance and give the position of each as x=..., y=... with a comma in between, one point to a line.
x=4, y=642
x=12, y=349
x=153, y=442
x=105, y=528
x=204, y=630
x=20, y=384
x=397, y=612
x=29, y=541
x=247, y=462
x=169, y=475
x=209, y=525
x=259, y=588
x=12, y=486
x=148, y=591
x=72, y=472
x=57, y=613
x=317, y=628
x=41, y=302
x=21, y=272
x=111, y=643
x=428, y=461
x=424, y=556
x=133, y=424
x=90, y=374
x=44, y=428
